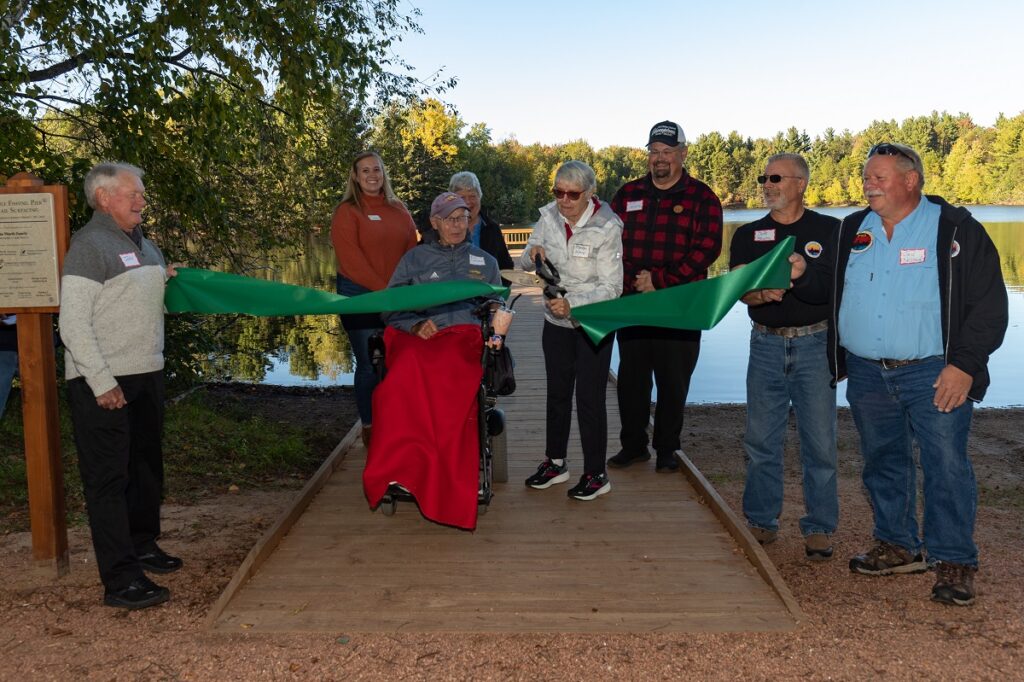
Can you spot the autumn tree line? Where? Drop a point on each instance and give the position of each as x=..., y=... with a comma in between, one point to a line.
x=423, y=142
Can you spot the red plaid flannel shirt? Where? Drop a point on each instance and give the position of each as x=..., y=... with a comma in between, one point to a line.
x=675, y=234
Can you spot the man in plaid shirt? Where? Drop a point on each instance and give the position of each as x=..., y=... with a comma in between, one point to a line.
x=672, y=234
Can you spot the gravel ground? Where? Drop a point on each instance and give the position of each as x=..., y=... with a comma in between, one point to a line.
x=857, y=627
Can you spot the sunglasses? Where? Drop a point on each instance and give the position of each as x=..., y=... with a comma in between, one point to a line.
x=561, y=194
x=886, y=149
x=774, y=178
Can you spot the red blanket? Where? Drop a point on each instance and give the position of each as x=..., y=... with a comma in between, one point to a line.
x=425, y=424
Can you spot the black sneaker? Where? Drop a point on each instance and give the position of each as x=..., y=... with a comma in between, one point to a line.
x=623, y=459
x=138, y=594
x=667, y=463
x=590, y=486
x=548, y=474
x=158, y=561
x=887, y=559
x=954, y=584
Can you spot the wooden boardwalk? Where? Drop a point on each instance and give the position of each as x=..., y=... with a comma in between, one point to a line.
x=659, y=553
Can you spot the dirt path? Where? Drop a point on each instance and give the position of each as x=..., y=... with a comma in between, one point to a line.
x=858, y=627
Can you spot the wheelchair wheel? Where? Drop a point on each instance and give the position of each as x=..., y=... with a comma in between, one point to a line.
x=388, y=505
x=499, y=458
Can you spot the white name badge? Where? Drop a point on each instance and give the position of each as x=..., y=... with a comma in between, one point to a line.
x=581, y=250
x=764, y=235
x=372, y=216
x=911, y=256
x=637, y=205
x=129, y=259
x=476, y=260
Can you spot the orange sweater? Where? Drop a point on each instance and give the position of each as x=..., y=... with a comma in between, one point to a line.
x=368, y=244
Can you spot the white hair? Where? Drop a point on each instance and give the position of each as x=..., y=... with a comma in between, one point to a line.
x=465, y=180
x=104, y=175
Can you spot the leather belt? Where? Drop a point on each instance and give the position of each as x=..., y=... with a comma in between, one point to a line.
x=889, y=363
x=793, y=332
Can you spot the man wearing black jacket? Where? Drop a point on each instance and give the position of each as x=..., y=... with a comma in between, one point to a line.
x=483, y=233
x=918, y=305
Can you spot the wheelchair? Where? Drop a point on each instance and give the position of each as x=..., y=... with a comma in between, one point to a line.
x=492, y=436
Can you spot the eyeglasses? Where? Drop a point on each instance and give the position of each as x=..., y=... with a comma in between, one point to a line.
x=456, y=219
x=887, y=149
x=562, y=193
x=774, y=178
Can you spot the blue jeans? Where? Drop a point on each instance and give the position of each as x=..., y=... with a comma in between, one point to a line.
x=892, y=409
x=782, y=371
x=8, y=366
x=359, y=329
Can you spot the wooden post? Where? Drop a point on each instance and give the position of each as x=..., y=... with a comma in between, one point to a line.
x=37, y=365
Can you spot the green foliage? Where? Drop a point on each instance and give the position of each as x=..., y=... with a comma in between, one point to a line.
x=207, y=446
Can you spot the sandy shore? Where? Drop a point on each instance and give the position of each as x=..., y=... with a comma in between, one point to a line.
x=857, y=628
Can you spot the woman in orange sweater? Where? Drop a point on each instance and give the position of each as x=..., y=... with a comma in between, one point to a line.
x=371, y=231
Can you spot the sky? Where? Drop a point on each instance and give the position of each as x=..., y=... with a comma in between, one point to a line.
x=606, y=71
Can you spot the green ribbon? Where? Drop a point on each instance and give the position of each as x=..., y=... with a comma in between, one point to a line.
x=697, y=305
x=206, y=291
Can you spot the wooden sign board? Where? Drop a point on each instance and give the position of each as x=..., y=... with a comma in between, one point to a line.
x=33, y=241
x=34, y=236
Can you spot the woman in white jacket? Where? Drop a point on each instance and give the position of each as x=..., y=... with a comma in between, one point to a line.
x=582, y=238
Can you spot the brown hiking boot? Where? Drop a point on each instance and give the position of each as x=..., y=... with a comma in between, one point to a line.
x=954, y=584
x=818, y=547
x=763, y=535
x=887, y=559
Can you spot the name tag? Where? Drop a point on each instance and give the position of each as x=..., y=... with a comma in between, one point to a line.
x=764, y=235
x=476, y=260
x=911, y=256
x=581, y=250
x=129, y=259
x=637, y=205
x=372, y=216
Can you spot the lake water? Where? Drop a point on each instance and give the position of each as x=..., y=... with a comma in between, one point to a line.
x=721, y=370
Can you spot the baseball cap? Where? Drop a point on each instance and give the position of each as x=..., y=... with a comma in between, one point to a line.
x=668, y=133
x=445, y=203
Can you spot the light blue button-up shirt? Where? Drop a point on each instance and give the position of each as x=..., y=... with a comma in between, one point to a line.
x=891, y=307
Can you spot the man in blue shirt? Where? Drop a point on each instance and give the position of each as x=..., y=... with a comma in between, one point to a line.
x=918, y=305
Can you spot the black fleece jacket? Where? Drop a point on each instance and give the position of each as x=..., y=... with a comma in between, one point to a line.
x=975, y=310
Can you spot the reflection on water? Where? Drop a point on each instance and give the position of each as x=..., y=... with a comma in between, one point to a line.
x=313, y=350
x=304, y=349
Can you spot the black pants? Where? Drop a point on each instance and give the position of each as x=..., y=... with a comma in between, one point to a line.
x=121, y=462
x=671, y=356
x=571, y=360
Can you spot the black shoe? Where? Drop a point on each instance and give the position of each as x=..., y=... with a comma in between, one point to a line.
x=624, y=459
x=548, y=474
x=139, y=594
x=666, y=464
x=158, y=561
x=590, y=486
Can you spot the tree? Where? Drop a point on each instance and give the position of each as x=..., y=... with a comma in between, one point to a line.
x=201, y=95
x=419, y=142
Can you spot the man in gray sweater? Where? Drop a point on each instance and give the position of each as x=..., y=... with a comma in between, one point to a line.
x=112, y=325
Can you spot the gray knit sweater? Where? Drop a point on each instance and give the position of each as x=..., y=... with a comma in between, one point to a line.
x=111, y=305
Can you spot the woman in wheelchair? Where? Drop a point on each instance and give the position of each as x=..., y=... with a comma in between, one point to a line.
x=426, y=437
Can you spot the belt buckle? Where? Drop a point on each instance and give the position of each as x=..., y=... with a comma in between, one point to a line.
x=889, y=363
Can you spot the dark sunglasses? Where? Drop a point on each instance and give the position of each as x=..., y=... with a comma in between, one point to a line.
x=886, y=149
x=561, y=194
x=774, y=178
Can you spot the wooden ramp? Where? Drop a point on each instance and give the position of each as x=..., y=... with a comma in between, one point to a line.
x=659, y=553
